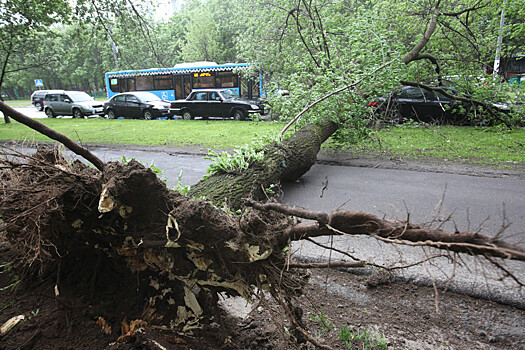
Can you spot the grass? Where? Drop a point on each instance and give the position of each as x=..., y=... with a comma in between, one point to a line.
x=18, y=103
x=363, y=338
x=498, y=147
x=216, y=134
x=357, y=338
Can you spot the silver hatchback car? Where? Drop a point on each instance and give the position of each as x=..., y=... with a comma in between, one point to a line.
x=75, y=103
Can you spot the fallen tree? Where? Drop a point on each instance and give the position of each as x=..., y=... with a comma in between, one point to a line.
x=91, y=231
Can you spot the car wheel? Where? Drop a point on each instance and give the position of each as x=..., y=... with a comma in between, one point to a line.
x=111, y=114
x=239, y=114
x=50, y=113
x=77, y=113
x=187, y=115
x=39, y=106
x=148, y=115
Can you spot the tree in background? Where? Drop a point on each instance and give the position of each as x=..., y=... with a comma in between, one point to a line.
x=20, y=23
x=211, y=31
x=310, y=49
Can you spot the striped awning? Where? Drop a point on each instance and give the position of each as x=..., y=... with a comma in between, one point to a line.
x=174, y=71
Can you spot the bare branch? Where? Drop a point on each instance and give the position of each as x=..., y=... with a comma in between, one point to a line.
x=411, y=56
x=332, y=264
x=360, y=223
x=36, y=125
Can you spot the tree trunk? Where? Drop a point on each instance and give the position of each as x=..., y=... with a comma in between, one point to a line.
x=286, y=161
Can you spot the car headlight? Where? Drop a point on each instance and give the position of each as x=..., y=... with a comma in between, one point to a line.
x=254, y=106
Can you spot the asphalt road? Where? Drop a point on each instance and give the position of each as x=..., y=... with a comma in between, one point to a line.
x=32, y=112
x=453, y=201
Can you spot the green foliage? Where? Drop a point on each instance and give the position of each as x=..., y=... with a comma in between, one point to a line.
x=365, y=338
x=22, y=24
x=320, y=317
x=235, y=162
x=240, y=159
x=182, y=189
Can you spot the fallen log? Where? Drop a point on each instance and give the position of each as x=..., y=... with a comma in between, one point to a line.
x=92, y=231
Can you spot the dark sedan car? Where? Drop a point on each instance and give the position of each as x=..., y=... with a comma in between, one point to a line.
x=136, y=105
x=410, y=102
x=216, y=103
x=416, y=103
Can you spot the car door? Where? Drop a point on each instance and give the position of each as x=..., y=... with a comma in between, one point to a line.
x=215, y=106
x=132, y=107
x=63, y=105
x=200, y=104
x=432, y=109
x=411, y=103
x=438, y=110
x=119, y=105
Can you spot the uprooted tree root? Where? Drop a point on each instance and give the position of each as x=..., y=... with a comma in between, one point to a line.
x=98, y=234
x=67, y=220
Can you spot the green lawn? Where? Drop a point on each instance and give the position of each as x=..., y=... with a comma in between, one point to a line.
x=18, y=103
x=216, y=134
x=487, y=146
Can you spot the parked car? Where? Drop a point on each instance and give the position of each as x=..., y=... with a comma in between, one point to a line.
x=138, y=104
x=410, y=102
x=75, y=103
x=224, y=103
x=37, y=99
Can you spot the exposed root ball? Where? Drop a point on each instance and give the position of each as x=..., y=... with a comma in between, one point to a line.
x=123, y=230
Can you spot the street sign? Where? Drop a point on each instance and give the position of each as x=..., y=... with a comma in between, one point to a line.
x=39, y=82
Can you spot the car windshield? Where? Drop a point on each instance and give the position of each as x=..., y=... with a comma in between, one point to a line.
x=147, y=96
x=229, y=94
x=79, y=96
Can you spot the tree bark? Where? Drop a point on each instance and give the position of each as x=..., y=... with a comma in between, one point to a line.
x=284, y=161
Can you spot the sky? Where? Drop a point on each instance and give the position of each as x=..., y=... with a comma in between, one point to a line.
x=164, y=9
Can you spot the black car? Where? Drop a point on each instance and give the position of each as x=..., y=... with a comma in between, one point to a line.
x=224, y=103
x=429, y=106
x=37, y=99
x=423, y=105
x=136, y=105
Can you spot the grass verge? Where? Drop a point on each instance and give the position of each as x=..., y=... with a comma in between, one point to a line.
x=492, y=146
x=488, y=146
x=216, y=134
x=18, y=103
